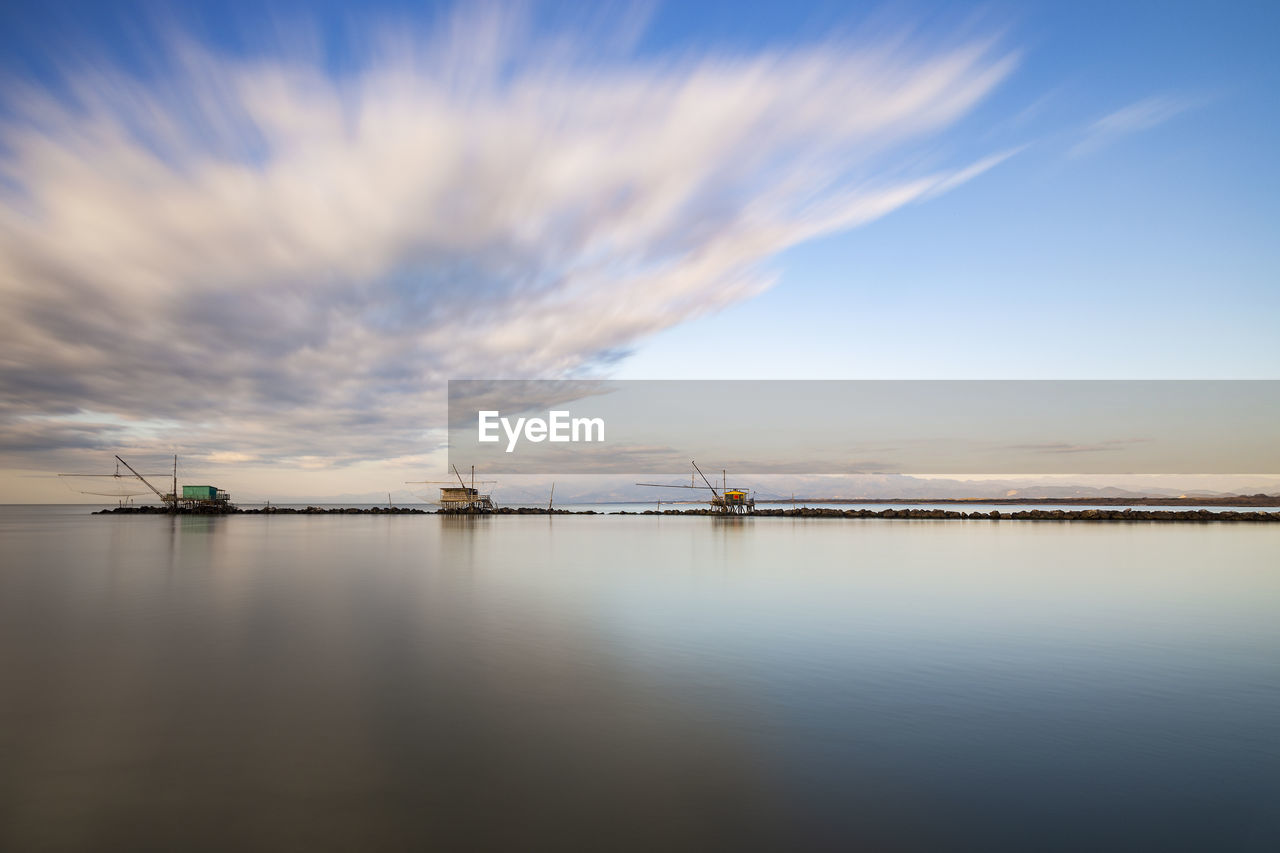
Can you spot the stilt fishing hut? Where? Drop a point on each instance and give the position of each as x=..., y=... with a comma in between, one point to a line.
x=194, y=498
x=203, y=497
x=462, y=498
x=723, y=500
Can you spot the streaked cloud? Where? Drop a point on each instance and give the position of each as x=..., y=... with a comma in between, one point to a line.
x=1108, y=446
x=286, y=263
x=1140, y=116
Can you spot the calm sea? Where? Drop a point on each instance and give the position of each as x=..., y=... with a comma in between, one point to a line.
x=646, y=683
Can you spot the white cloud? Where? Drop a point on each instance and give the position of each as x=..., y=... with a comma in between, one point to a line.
x=1134, y=118
x=291, y=263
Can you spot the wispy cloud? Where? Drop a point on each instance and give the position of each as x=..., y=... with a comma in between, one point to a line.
x=1136, y=117
x=1107, y=446
x=262, y=249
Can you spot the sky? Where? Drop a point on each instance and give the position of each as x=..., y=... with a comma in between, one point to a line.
x=264, y=236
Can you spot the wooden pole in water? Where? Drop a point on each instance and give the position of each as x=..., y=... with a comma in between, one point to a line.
x=552, y=499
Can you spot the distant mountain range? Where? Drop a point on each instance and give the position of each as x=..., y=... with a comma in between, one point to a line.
x=809, y=488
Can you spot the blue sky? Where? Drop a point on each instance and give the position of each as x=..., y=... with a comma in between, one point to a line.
x=1149, y=253
x=297, y=220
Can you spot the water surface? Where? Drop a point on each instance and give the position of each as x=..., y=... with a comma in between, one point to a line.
x=636, y=682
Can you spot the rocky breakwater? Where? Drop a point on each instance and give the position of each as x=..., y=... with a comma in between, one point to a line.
x=1023, y=515
x=1202, y=515
x=266, y=510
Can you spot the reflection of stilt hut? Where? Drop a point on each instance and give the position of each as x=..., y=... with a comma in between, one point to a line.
x=724, y=500
x=462, y=498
